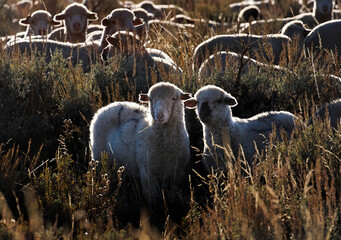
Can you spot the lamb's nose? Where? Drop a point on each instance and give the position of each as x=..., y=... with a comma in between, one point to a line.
x=159, y=116
x=77, y=25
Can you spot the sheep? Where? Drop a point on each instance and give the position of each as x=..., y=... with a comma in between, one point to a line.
x=213, y=107
x=229, y=60
x=75, y=17
x=153, y=145
x=38, y=23
x=334, y=113
x=78, y=53
x=121, y=19
x=322, y=12
x=296, y=29
x=249, y=13
x=325, y=37
x=140, y=63
x=238, y=42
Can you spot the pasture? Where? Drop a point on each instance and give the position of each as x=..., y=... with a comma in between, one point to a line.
x=51, y=188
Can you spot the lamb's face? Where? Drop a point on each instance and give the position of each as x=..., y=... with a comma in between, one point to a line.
x=324, y=6
x=76, y=18
x=165, y=102
x=162, y=103
x=119, y=20
x=213, y=105
x=40, y=22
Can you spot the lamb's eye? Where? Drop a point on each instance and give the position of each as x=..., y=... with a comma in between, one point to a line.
x=173, y=98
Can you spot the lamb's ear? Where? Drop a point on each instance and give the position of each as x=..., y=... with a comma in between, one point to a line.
x=185, y=96
x=143, y=97
x=231, y=101
x=191, y=103
x=55, y=23
x=92, y=16
x=25, y=21
x=113, y=41
x=105, y=22
x=59, y=17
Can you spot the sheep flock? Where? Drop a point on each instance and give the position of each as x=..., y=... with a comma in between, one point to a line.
x=179, y=110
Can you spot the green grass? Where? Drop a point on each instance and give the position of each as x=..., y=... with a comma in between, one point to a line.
x=50, y=188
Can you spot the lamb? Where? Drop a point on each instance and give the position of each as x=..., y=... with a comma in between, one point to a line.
x=325, y=37
x=118, y=19
x=213, y=107
x=141, y=63
x=334, y=113
x=75, y=17
x=229, y=60
x=240, y=42
x=121, y=19
x=153, y=145
x=39, y=22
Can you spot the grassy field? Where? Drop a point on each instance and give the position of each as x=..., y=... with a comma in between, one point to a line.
x=50, y=188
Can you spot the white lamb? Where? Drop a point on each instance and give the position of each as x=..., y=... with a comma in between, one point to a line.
x=213, y=107
x=75, y=17
x=152, y=145
x=39, y=22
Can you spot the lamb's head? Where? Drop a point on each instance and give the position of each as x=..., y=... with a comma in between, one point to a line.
x=39, y=22
x=123, y=19
x=324, y=7
x=165, y=102
x=213, y=105
x=122, y=42
x=76, y=17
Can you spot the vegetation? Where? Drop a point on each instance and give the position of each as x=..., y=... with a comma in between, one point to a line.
x=50, y=188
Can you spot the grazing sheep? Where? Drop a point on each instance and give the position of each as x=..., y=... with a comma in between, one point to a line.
x=334, y=113
x=325, y=36
x=223, y=61
x=153, y=145
x=239, y=43
x=139, y=63
x=75, y=17
x=213, y=107
x=296, y=29
x=77, y=53
x=322, y=12
x=249, y=13
x=39, y=22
